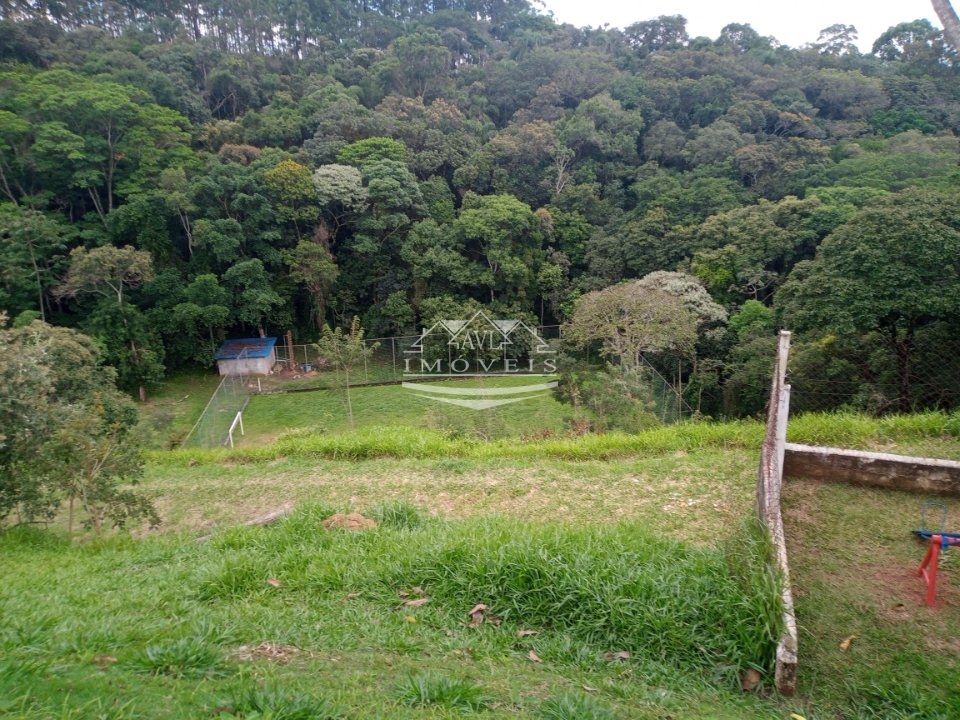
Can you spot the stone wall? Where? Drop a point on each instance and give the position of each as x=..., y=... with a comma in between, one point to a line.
x=893, y=472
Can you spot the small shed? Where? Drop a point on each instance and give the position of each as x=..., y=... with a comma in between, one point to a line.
x=247, y=356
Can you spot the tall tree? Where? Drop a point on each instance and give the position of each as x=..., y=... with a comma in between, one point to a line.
x=503, y=234
x=629, y=320
x=254, y=297
x=105, y=139
x=312, y=265
x=31, y=244
x=892, y=269
x=108, y=272
x=66, y=431
x=949, y=20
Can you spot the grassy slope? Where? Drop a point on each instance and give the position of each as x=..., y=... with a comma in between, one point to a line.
x=299, y=617
x=174, y=407
x=139, y=601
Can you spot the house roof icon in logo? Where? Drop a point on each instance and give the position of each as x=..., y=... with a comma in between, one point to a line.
x=469, y=338
x=481, y=332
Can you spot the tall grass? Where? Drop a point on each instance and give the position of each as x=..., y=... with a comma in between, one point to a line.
x=609, y=587
x=416, y=443
x=848, y=429
x=839, y=429
x=617, y=588
x=168, y=615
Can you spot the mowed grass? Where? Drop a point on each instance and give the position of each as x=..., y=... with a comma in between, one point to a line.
x=324, y=411
x=697, y=496
x=602, y=558
x=853, y=563
x=295, y=621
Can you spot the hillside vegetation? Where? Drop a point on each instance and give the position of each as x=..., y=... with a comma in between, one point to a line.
x=172, y=174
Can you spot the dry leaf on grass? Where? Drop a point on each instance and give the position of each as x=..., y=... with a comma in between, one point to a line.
x=351, y=596
x=412, y=592
x=273, y=582
x=410, y=618
x=417, y=603
x=587, y=688
x=479, y=615
x=751, y=678
x=845, y=645
x=621, y=655
x=270, y=651
x=533, y=656
x=104, y=659
x=476, y=615
x=527, y=633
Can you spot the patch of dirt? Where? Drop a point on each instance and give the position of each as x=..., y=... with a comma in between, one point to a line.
x=900, y=596
x=349, y=521
x=898, y=590
x=802, y=508
x=268, y=651
x=944, y=645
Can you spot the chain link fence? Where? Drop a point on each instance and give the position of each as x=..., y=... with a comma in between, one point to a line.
x=391, y=360
x=876, y=373
x=216, y=422
x=869, y=373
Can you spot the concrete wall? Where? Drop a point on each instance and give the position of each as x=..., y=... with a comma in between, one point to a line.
x=247, y=366
x=893, y=472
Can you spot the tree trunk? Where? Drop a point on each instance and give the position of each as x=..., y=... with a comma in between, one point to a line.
x=949, y=20
x=346, y=387
x=902, y=348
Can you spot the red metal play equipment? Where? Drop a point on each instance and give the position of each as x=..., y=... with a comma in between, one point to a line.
x=938, y=541
x=928, y=568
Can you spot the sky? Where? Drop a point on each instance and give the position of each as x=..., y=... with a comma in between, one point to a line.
x=791, y=23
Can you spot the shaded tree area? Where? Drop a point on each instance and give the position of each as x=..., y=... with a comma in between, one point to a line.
x=69, y=436
x=274, y=165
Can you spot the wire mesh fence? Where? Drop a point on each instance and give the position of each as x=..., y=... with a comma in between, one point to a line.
x=213, y=427
x=394, y=360
x=877, y=373
x=871, y=373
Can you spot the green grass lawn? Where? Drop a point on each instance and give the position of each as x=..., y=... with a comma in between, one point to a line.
x=286, y=405
x=174, y=407
x=697, y=497
x=853, y=563
x=616, y=572
x=295, y=621
x=269, y=416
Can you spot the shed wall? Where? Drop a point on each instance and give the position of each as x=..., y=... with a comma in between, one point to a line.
x=248, y=366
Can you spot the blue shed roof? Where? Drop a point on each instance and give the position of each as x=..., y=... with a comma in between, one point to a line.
x=243, y=348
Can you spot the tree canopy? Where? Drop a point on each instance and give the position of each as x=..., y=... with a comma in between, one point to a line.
x=173, y=174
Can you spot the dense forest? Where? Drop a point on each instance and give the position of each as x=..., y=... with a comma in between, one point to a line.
x=175, y=173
